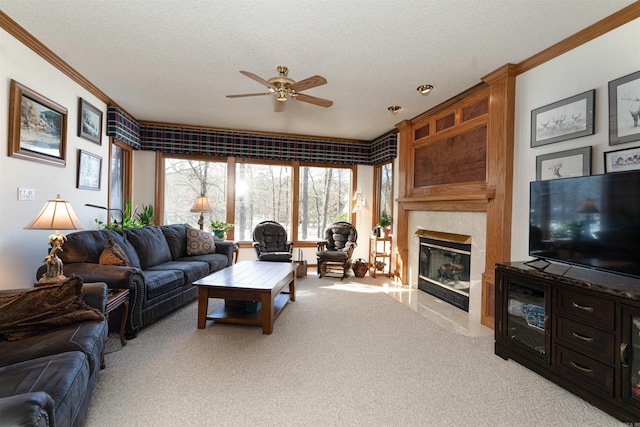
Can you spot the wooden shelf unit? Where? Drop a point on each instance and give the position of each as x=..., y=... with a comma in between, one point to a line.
x=380, y=251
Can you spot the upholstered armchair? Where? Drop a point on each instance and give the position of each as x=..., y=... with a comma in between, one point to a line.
x=335, y=251
x=270, y=242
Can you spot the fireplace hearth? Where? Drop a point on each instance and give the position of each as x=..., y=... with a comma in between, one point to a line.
x=445, y=267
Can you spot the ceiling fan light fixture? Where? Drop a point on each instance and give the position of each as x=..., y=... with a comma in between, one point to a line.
x=424, y=89
x=394, y=109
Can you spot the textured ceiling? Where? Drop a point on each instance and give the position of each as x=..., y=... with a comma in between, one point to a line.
x=174, y=61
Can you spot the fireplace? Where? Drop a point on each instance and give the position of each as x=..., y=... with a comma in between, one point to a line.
x=445, y=266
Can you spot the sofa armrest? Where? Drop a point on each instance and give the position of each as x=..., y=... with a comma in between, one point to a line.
x=28, y=409
x=96, y=295
x=116, y=277
x=225, y=248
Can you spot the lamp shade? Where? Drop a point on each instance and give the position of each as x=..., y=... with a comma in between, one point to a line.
x=201, y=204
x=588, y=206
x=56, y=215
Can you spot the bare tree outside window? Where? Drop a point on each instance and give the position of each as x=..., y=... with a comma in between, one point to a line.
x=187, y=179
x=324, y=199
x=263, y=192
x=386, y=189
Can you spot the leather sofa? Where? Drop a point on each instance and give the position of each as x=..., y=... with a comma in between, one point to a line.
x=47, y=379
x=160, y=274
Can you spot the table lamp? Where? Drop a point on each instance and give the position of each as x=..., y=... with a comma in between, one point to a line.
x=201, y=205
x=55, y=215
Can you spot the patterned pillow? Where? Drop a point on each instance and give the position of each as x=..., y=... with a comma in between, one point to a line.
x=113, y=255
x=199, y=242
x=32, y=311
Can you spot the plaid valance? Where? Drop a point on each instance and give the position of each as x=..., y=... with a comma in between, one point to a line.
x=122, y=126
x=223, y=143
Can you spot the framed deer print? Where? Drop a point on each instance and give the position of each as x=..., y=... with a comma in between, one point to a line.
x=564, y=164
x=624, y=109
x=566, y=119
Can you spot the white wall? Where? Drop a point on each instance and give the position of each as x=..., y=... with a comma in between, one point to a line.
x=22, y=251
x=590, y=66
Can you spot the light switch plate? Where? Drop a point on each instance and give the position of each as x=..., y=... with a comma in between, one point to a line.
x=26, y=194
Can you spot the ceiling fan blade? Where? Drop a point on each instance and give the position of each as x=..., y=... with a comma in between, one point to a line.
x=279, y=107
x=258, y=79
x=249, y=94
x=308, y=83
x=313, y=100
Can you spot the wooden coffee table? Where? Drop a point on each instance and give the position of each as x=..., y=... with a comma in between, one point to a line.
x=247, y=281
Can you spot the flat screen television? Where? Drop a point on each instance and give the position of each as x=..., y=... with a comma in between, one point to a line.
x=591, y=221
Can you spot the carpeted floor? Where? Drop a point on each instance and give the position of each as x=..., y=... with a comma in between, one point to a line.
x=344, y=355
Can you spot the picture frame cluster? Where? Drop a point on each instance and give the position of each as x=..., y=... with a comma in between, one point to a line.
x=573, y=117
x=38, y=132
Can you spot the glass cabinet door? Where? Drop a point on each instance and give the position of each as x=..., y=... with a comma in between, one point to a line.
x=526, y=316
x=630, y=355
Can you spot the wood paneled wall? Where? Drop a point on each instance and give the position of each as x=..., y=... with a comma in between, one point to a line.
x=459, y=157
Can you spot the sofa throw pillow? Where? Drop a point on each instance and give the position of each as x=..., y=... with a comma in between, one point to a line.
x=114, y=255
x=199, y=242
x=32, y=311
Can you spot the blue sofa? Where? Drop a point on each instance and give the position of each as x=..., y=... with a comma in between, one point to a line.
x=160, y=274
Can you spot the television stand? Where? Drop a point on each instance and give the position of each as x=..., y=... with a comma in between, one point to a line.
x=577, y=327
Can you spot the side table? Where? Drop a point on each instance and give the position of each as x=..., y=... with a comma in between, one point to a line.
x=117, y=298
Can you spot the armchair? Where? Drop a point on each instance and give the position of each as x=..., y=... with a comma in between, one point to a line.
x=334, y=253
x=270, y=242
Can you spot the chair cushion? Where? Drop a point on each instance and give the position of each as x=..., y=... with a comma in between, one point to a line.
x=337, y=256
x=176, y=235
x=32, y=311
x=160, y=281
x=88, y=245
x=275, y=256
x=150, y=244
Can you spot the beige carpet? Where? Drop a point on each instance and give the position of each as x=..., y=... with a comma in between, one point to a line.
x=343, y=355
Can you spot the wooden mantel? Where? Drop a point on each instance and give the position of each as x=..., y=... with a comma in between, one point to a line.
x=481, y=117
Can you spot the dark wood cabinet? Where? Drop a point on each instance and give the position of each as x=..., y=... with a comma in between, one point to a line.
x=577, y=327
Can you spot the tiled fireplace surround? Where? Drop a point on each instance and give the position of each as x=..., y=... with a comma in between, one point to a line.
x=468, y=223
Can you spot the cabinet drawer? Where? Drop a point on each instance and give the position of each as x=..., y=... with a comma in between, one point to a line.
x=595, y=373
x=587, y=339
x=592, y=309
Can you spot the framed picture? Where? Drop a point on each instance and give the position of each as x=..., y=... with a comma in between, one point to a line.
x=89, y=170
x=90, y=122
x=37, y=127
x=622, y=160
x=624, y=109
x=564, y=164
x=563, y=120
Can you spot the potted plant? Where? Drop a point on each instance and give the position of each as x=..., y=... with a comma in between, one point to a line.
x=130, y=219
x=220, y=228
x=384, y=222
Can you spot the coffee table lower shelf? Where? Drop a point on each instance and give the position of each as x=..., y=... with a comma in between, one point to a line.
x=228, y=314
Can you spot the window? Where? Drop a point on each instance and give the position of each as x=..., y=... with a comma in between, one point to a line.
x=386, y=189
x=324, y=199
x=263, y=192
x=119, y=177
x=247, y=192
x=184, y=180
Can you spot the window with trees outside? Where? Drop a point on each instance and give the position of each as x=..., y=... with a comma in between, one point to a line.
x=184, y=180
x=324, y=199
x=305, y=199
x=384, y=174
x=119, y=177
x=263, y=192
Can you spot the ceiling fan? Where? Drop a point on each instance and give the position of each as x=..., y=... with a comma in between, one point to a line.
x=285, y=88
